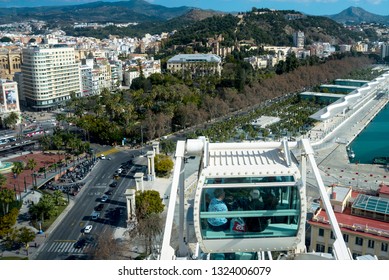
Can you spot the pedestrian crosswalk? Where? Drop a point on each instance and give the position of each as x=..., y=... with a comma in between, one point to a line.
x=66, y=246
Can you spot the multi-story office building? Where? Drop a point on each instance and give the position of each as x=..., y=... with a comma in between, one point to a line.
x=50, y=75
x=362, y=218
x=197, y=64
x=384, y=50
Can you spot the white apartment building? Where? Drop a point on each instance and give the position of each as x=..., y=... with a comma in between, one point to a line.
x=96, y=75
x=257, y=62
x=132, y=71
x=102, y=73
x=50, y=75
x=384, y=50
x=86, y=80
x=116, y=73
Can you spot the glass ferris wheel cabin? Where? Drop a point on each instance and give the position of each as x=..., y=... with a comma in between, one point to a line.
x=264, y=197
x=249, y=198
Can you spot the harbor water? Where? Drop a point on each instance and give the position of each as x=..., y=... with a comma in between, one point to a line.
x=372, y=144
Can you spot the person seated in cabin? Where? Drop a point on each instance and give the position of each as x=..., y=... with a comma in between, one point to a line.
x=270, y=199
x=255, y=202
x=217, y=204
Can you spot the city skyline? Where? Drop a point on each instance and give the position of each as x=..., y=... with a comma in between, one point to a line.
x=312, y=7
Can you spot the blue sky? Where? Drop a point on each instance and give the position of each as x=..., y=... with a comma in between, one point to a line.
x=313, y=7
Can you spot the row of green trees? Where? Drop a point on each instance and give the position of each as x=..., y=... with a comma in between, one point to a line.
x=10, y=121
x=164, y=103
x=64, y=140
x=9, y=211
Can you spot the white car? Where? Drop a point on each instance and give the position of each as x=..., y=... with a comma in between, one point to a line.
x=88, y=229
x=102, y=157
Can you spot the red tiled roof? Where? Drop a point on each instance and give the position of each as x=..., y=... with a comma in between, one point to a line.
x=384, y=189
x=346, y=222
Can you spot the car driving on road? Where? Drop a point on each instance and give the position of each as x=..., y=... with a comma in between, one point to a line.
x=88, y=229
x=80, y=243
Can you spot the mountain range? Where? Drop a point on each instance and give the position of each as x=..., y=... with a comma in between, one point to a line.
x=123, y=11
x=142, y=11
x=356, y=15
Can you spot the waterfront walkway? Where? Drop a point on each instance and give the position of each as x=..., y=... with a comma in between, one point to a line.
x=330, y=143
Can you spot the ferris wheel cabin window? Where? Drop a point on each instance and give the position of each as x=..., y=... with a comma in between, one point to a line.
x=253, y=207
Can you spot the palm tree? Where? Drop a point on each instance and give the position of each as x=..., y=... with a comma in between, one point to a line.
x=7, y=196
x=3, y=180
x=57, y=196
x=31, y=164
x=60, y=118
x=17, y=168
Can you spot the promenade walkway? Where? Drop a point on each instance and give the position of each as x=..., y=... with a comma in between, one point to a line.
x=330, y=143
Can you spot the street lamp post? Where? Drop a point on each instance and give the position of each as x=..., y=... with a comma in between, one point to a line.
x=40, y=227
x=141, y=139
x=36, y=184
x=32, y=182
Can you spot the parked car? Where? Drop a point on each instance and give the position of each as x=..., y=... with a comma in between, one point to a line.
x=113, y=184
x=102, y=156
x=108, y=192
x=104, y=198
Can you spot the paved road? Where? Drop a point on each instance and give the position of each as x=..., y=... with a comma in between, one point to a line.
x=60, y=241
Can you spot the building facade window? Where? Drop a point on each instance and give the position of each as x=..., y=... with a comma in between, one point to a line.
x=332, y=235
x=358, y=241
x=370, y=243
x=384, y=247
x=329, y=250
x=320, y=248
x=321, y=232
